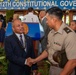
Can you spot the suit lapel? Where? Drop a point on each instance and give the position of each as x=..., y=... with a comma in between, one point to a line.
x=27, y=43
x=19, y=43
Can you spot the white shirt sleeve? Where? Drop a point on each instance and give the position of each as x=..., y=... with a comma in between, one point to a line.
x=25, y=62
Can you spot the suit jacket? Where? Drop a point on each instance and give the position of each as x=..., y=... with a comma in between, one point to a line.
x=46, y=31
x=16, y=55
x=45, y=26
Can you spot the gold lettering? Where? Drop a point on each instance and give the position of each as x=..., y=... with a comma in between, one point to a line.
x=8, y=0
x=16, y=0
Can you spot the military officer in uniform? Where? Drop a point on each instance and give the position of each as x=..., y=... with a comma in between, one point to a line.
x=60, y=39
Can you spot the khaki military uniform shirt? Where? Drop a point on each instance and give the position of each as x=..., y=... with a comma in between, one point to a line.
x=64, y=38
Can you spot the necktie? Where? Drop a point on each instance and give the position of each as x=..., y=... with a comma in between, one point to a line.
x=21, y=40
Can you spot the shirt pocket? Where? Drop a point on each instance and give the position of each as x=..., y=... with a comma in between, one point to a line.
x=57, y=46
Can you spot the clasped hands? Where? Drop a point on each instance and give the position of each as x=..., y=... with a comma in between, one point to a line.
x=30, y=62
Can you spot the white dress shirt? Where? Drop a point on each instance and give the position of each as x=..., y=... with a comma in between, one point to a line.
x=30, y=17
x=23, y=38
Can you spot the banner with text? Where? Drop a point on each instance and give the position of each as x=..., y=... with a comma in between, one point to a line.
x=37, y=4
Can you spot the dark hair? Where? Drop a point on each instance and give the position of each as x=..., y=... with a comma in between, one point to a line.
x=74, y=21
x=55, y=11
x=30, y=9
x=1, y=17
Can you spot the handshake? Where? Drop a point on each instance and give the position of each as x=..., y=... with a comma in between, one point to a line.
x=30, y=61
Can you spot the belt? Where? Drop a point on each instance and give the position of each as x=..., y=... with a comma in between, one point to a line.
x=56, y=65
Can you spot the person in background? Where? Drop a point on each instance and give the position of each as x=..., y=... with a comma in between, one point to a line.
x=15, y=16
x=4, y=22
x=30, y=17
x=18, y=47
x=60, y=39
x=73, y=25
x=46, y=28
x=2, y=30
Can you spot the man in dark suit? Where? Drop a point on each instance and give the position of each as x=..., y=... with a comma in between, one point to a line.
x=18, y=47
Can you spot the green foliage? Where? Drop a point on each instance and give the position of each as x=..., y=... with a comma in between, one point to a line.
x=44, y=68
x=9, y=14
x=3, y=62
x=2, y=52
x=43, y=65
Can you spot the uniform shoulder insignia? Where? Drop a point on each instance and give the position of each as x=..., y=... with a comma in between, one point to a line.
x=67, y=30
